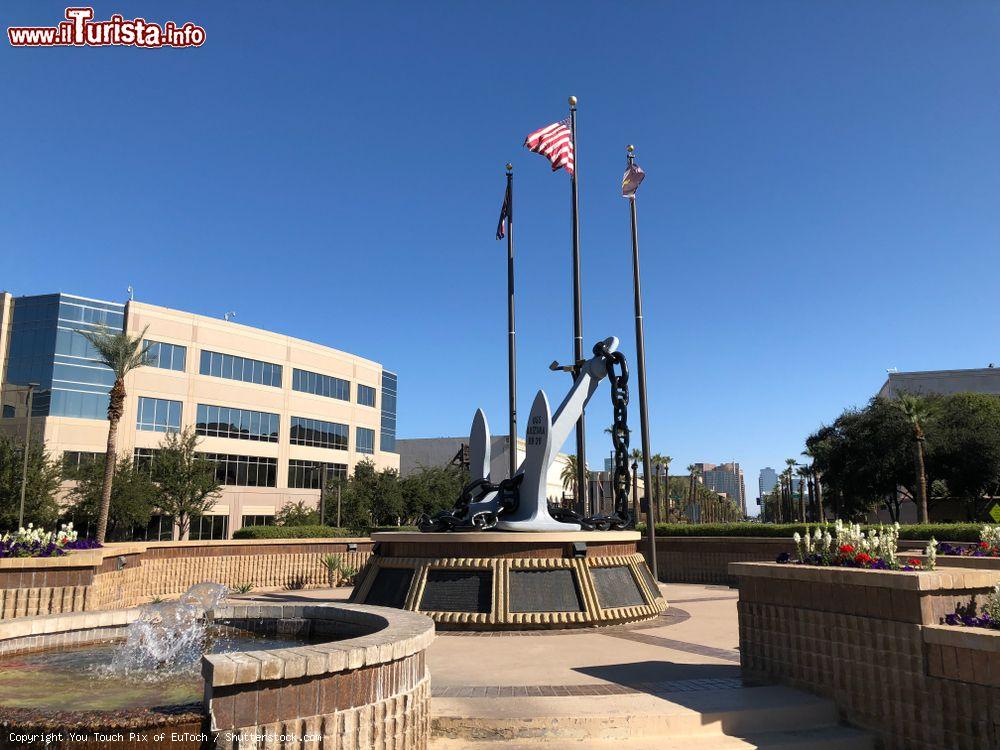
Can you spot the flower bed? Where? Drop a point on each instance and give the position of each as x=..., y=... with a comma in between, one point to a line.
x=850, y=547
x=988, y=545
x=32, y=542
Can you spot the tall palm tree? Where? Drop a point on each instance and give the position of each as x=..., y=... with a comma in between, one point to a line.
x=917, y=413
x=664, y=461
x=790, y=463
x=568, y=475
x=120, y=353
x=803, y=473
x=693, y=472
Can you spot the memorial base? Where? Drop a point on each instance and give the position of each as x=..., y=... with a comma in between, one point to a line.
x=512, y=581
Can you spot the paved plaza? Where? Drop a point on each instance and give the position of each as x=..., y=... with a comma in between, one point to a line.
x=668, y=683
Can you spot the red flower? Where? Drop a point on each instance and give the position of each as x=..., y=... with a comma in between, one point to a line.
x=862, y=557
x=846, y=549
x=983, y=545
x=914, y=562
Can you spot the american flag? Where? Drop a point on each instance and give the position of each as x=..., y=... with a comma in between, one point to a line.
x=555, y=142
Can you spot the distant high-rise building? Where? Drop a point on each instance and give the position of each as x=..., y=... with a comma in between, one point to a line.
x=767, y=481
x=726, y=478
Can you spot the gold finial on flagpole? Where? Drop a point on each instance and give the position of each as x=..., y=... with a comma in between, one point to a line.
x=510, y=167
x=630, y=148
x=572, y=101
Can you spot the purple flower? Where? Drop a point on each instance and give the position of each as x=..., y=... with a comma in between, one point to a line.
x=784, y=557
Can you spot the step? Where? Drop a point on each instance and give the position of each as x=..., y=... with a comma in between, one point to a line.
x=736, y=711
x=825, y=738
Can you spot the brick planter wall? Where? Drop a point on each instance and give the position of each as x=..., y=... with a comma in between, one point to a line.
x=705, y=559
x=123, y=575
x=366, y=693
x=862, y=638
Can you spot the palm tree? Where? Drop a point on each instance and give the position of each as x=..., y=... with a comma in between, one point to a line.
x=663, y=502
x=693, y=472
x=120, y=353
x=790, y=463
x=917, y=413
x=568, y=475
x=803, y=472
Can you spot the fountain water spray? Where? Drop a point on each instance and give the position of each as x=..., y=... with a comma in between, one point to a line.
x=168, y=637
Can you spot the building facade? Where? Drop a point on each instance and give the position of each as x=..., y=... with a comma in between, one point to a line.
x=725, y=478
x=942, y=382
x=272, y=412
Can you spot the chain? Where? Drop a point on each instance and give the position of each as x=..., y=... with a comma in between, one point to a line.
x=622, y=479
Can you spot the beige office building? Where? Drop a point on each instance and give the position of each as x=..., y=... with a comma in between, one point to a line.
x=273, y=412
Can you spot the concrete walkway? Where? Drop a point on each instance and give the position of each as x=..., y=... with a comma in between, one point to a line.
x=666, y=684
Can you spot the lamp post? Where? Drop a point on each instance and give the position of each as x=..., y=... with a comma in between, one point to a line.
x=27, y=446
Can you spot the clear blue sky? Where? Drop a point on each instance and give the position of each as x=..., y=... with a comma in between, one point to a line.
x=822, y=197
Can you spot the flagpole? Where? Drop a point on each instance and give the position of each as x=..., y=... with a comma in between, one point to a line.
x=581, y=427
x=511, y=350
x=640, y=355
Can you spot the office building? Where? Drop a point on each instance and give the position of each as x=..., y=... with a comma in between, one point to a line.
x=767, y=481
x=942, y=382
x=272, y=412
x=727, y=478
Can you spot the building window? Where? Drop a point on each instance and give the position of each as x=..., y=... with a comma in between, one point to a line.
x=240, y=368
x=388, y=436
x=364, y=440
x=366, y=395
x=166, y=356
x=318, y=434
x=241, y=424
x=209, y=527
x=158, y=415
x=73, y=461
x=243, y=471
x=305, y=475
x=321, y=385
x=258, y=521
x=142, y=459
x=159, y=529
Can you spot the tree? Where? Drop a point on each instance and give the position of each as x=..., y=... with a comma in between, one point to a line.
x=430, y=490
x=44, y=475
x=789, y=471
x=296, y=514
x=133, y=495
x=568, y=475
x=803, y=474
x=372, y=498
x=693, y=473
x=964, y=450
x=917, y=412
x=187, y=486
x=121, y=353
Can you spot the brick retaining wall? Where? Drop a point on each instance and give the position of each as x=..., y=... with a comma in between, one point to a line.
x=705, y=559
x=123, y=575
x=871, y=641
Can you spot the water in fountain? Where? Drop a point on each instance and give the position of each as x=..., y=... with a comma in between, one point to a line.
x=168, y=637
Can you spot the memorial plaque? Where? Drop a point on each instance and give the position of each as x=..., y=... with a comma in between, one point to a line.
x=648, y=578
x=616, y=587
x=457, y=591
x=390, y=587
x=544, y=591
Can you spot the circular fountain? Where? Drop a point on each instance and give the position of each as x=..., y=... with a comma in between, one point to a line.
x=202, y=672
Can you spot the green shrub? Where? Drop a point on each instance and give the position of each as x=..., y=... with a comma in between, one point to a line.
x=291, y=532
x=943, y=532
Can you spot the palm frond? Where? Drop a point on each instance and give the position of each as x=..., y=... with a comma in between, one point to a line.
x=117, y=350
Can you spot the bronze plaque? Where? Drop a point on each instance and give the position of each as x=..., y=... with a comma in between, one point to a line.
x=544, y=591
x=390, y=587
x=616, y=587
x=457, y=591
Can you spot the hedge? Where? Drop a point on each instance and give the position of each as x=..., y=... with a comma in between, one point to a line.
x=292, y=532
x=308, y=532
x=943, y=532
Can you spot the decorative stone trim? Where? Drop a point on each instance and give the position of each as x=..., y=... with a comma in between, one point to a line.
x=501, y=565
